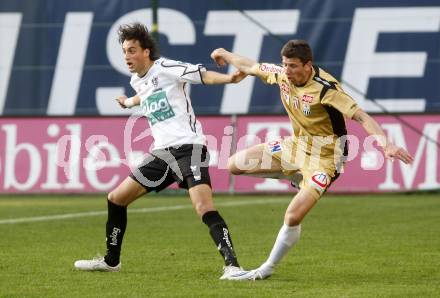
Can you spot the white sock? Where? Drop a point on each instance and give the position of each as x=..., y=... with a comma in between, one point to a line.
x=286, y=238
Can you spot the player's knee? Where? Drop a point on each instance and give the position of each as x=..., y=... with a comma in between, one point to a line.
x=292, y=219
x=232, y=166
x=111, y=197
x=202, y=208
x=115, y=198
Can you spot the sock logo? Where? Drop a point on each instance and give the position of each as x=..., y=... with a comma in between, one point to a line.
x=226, y=237
x=114, y=236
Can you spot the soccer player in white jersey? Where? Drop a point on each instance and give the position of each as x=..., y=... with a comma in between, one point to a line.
x=179, y=155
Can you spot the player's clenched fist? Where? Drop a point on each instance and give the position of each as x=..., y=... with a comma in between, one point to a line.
x=217, y=56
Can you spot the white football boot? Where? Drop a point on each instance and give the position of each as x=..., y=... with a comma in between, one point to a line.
x=97, y=264
x=232, y=272
x=257, y=274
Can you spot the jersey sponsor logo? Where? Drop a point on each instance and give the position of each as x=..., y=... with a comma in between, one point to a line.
x=284, y=87
x=285, y=91
x=271, y=68
x=157, y=108
x=274, y=146
x=307, y=98
x=319, y=181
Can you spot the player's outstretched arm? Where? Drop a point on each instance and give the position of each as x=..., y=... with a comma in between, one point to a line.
x=125, y=102
x=243, y=64
x=213, y=77
x=391, y=151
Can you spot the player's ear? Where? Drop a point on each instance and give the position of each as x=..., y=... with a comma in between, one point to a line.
x=147, y=52
x=308, y=66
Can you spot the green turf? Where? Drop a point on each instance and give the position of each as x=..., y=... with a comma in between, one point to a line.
x=351, y=246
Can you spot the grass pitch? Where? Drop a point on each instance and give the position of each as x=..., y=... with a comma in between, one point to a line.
x=351, y=246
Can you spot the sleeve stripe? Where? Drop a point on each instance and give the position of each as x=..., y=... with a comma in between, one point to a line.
x=326, y=85
x=200, y=73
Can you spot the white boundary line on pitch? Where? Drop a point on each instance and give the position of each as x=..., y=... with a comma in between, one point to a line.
x=141, y=210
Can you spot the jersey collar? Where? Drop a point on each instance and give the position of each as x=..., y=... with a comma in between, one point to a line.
x=152, y=65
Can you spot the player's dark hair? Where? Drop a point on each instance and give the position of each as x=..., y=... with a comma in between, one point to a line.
x=297, y=49
x=139, y=32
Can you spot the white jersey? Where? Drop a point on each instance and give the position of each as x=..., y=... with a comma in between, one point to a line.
x=165, y=102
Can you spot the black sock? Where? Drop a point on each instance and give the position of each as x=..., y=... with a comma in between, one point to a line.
x=220, y=234
x=115, y=229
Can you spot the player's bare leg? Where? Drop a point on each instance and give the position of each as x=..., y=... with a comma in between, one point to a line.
x=300, y=205
x=128, y=191
x=201, y=198
x=254, y=161
x=118, y=200
x=257, y=162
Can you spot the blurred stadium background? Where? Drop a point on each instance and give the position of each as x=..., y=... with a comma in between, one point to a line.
x=62, y=133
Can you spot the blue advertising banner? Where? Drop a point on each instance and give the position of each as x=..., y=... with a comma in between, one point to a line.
x=62, y=57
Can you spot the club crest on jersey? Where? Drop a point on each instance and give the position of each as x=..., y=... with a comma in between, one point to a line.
x=155, y=82
x=306, y=110
x=319, y=181
x=274, y=146
x=271, y=68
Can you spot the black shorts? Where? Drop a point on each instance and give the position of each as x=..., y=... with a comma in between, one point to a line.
x=186, y=164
